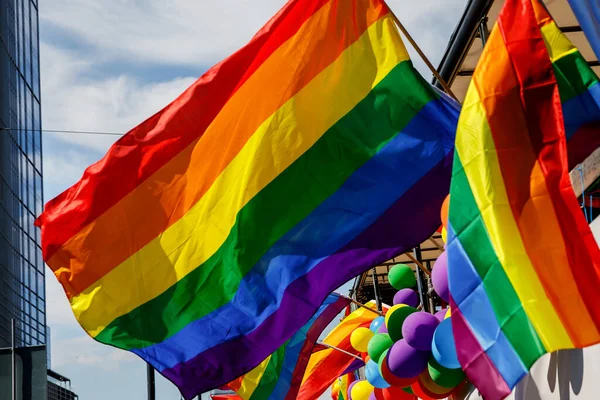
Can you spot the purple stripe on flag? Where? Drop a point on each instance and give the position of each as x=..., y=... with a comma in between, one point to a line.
x=418, y=208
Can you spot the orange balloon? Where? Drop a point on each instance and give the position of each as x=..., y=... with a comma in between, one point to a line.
x=444, y=212
x=417, y=389
x=396, y=393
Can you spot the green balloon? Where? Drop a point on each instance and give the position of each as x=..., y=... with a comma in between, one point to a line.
x=408, y=390
x=382, y=360
x=396, y=320
x=444, y=377
x=378, y=344
x=401, y=276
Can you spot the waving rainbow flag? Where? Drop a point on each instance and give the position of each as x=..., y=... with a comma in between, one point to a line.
x=212, y=232
x=524, y=268
x=280, y=375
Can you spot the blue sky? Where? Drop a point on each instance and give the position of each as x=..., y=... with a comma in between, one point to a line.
x=106, y=66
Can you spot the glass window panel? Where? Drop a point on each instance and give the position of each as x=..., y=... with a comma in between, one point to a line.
x=27, y=41
x=35, y=81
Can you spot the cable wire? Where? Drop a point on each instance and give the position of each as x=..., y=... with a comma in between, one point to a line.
x=64, y=131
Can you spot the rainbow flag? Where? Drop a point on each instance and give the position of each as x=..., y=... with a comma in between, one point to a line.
x=280, y=375
x=524, y=268
x=579, y=89
x=212, y=232
x=325, y=366
x=588, y=15
x=339, y=389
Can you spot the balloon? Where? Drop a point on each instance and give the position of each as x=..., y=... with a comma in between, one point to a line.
x=377, y=322
x=349, y=392
x=440, y=315
x=443, y=347
x=417, y=389
x=386, y=374
x=406, y=362
x=395, y=393
x=373, y=375
x=418, y=330
x=431, y=388
x=408, y=390
x=444, y=234
x=444, y=377
x=362, y=390
x=444, y=211
x=406, y=296
x=378, y=344
x=439, y=277
x=396, y=320
x=391, y=311
x=401, y=276
x=383, y=329
x=448, y=313
x=359, y=339
x=377, y=394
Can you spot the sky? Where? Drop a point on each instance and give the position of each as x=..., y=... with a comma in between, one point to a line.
x=107, y=65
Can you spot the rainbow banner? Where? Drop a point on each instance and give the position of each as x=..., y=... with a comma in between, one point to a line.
x=579, y=89
x=212, y=232
x=524, y=268
x=588, y=15
x=325, y=366
x=339, y=389
x=280, y=375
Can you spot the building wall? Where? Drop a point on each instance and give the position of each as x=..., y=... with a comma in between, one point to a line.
x=22, y=290
x=56, y=392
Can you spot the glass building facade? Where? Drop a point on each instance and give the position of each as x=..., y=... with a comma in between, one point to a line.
x=22, y=287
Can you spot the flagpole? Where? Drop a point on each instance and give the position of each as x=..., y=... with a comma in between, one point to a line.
x=150, y=381
x=423, y=56
x=363, y=306
x=340, y=350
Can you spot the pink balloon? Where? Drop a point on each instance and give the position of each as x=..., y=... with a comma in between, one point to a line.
x=439, y=277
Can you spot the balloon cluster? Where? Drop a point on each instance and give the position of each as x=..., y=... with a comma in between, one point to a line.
x=410, y=352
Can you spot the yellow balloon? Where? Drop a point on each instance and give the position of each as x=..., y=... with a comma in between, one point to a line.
x=391, y=311
x=448, y=313
x=360, y=339
x=362, y=390
x=444, y=234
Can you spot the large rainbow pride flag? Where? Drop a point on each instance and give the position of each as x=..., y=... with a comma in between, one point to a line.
x=524, y=268
x=279, y=376
x=212, y=232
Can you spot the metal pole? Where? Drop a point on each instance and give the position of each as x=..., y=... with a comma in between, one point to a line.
x=13, y=348
x=376, y=290
x=150, y=382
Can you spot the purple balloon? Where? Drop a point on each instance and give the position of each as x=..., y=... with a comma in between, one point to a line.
x=406, y=296
x=440, y=315
x=439, y=277
x=350, y=386
x=382, y=329
x=418, y=330
x=405, y=361
x=372, y=396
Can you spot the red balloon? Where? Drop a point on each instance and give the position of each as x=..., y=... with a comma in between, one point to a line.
x=419, y=392
x=396, y=393
x=444, y=211
x=379, y=394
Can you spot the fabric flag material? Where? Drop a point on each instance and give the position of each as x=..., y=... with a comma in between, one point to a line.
x=325, y=366
x=579, y=89
x=524, y=268
x=280, y=375
x=588, y=15
x=341, y=389
x=212, y=232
